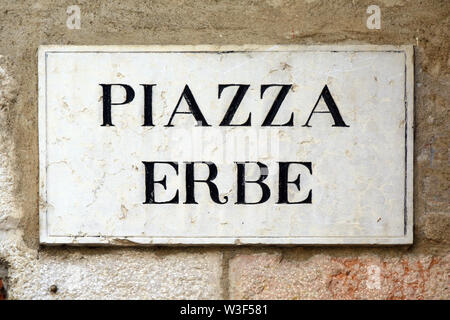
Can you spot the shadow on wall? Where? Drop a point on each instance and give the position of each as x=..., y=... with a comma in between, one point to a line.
x=3, y=275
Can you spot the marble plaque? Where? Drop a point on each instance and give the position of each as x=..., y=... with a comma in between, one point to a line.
x=226, y=144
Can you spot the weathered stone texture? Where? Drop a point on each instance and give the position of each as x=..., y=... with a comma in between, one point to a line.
x=437, y=226
x=110, y=274
x=269, y=276
x=9, y=216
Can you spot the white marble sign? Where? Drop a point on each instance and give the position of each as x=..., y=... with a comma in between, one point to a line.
x=226, y=145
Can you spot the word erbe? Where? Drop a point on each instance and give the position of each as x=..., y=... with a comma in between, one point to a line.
x=227, y=120
x=190, y=180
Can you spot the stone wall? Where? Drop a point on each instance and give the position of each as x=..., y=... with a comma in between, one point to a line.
x=28, y=271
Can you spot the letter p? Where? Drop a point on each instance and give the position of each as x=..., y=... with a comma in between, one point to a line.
x=107, y=103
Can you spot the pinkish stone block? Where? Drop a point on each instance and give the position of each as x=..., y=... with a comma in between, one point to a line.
x=269, y=276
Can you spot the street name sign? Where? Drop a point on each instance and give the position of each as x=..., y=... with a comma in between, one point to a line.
x=226, y=145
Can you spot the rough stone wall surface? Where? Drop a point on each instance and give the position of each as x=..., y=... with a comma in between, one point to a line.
x=420, y=271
